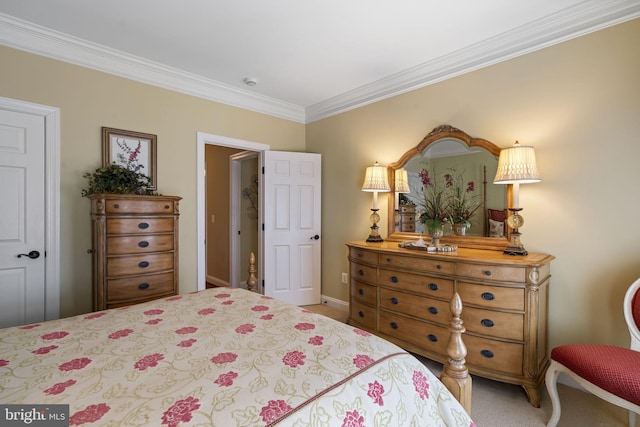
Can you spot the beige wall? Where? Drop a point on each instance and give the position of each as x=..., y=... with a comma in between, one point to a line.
x=578, y=103
x=89, y=100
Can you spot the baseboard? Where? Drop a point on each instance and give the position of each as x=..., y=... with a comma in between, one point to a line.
x=335, y=303
x=218, y=282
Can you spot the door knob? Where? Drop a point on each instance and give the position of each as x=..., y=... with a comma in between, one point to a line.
x=32, y=255
x=316, y=237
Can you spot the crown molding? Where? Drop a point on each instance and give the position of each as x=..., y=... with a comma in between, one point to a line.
x=43, y=41
x=584, y=18
x=576, y=21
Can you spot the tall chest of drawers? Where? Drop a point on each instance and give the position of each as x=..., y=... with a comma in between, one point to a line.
x=403, y=295
x=135, y=248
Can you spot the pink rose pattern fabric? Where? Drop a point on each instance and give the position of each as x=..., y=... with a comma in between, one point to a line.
x=222, y=357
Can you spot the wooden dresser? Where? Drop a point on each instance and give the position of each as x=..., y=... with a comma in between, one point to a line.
x=403, y=295
x=135, y=248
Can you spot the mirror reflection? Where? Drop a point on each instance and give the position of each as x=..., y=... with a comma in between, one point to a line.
x=450, y=186
x=449, y=178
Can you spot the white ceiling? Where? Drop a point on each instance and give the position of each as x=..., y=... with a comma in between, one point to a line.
x=310, y=58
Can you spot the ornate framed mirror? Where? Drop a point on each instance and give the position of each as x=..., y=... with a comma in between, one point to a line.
x=469, y=165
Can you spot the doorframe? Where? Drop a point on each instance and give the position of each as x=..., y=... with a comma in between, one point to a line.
x=51, y=117
x=203, y=138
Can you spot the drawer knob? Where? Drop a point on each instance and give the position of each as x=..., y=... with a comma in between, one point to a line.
x=487, y=322
x=487, y=273
x=487, y=353
x=143, y=286
x=432, y=338
x=143, y=264
x=394, y=279
x=433, y=310
x=388, y=259
x=361, y=291
x=488, y=296
x=394, y=325
x=361, y=314
x=439, y=267
x=433, y=286
x=143, y=244
x=166, y=206
x=394, y=300
x=117, y=206
x=143, y=226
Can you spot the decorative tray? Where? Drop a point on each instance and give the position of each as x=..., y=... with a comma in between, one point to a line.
x=428, y=247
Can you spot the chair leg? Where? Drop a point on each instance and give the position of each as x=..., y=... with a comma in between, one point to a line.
x=551, y=379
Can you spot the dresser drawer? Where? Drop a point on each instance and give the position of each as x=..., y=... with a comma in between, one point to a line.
x=364, y=255
x=412, y=305
x=139, y=264
x=139, y=287
x=430, y=337
x=362, y=314
x=139, y=225
x=492, y=272
x=143, y=206
x=494, y=355
x=364, y=273
x=418, y=283
x=364, y=293
x=417, y=263
x=494, y=323
x=117, y=245
x=492, y=296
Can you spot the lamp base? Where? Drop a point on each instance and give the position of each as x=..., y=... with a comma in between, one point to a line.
x=515, y=247
x=374, y=236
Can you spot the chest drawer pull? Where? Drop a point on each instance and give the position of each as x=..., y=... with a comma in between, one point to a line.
x=487, y=322
x=433, y=286
x=439, y=267
x=361, y=272
x=394, y=325
x=488, y=296
x=143, y=225
x=361, y=314
x=487, y=353
x=166, y=206
x=143, y=286
x=394, y=279
x=143, y=244
x=143, y=264
x=432, y=338
x=433, y=310
x=394, y=300
x=487, y=273
x=361, y=291
x=117, y=206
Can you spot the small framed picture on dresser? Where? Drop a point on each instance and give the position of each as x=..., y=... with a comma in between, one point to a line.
x=133, y=150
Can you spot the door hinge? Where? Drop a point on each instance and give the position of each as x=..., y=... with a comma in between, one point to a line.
x=263, y=226
x=263, y=170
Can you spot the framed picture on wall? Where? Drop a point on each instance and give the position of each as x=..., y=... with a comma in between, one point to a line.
x=133, y=150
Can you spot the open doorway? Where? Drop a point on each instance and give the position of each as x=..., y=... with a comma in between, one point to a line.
x=207, y=243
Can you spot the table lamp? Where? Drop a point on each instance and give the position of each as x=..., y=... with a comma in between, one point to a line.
x=375, y=180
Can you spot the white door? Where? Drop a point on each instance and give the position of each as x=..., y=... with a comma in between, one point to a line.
x=292, y=246
x=22, y=218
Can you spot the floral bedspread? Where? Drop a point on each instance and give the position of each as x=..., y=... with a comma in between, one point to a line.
x=220, y=357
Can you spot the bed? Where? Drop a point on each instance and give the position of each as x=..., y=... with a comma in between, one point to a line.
x=220, y=357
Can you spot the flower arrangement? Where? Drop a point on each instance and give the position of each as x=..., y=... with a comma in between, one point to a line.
x=448, y=199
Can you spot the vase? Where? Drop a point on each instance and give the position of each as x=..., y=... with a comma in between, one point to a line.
x=460, y=228
x=436, y=234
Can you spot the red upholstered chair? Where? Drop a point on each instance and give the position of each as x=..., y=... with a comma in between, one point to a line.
x=610, y=372
x=496, y=222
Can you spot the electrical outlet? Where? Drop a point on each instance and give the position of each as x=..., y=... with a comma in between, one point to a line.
x=345, y=278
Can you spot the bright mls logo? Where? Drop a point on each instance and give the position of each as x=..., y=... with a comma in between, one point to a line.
x=34, y=415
